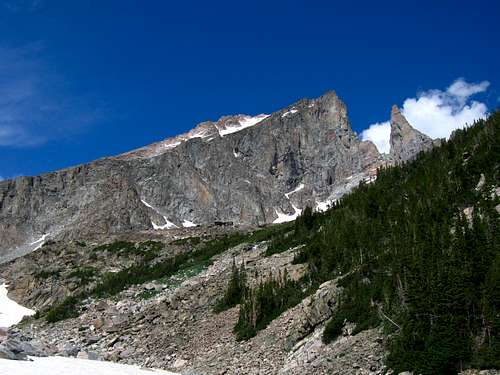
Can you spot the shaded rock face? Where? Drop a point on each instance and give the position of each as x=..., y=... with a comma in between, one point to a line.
x=238, y=169
x=406, y=142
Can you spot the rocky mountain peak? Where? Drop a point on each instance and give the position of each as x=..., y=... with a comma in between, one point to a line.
x=406, y=141
x=207, y=131
x=331, y=108
x=245, y=170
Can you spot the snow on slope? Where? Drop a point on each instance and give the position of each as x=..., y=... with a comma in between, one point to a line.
x=168, y=224
x=290, y=112
x=207, y=131
x=188, y=224
x=298, y=188
x=246, y=122
x=283, y=218
x=324, y=206
x=39, y=243
x=10, y=312
x=71, y=366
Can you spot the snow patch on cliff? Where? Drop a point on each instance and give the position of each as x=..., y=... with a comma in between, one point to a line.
x=167, y=146
x=188, y=224
x=39, y=243
x=298, y=188
x=168, y=224
x=290, y=112
x=244, y=123
x=199, y=134
x=284, y=218
x=325, y=205
x=370, y=179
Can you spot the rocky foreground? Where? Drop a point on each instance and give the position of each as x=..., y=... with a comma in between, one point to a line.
x=170, y=324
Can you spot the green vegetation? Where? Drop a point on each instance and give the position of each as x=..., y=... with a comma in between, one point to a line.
x=355, y=306
x=148, y=268
x=45, y=274
x=147, y=294
x=235, y=291
x=415, y=262
x=192, y=241
x=148, y=250
x=184, y=273
x=68, y=308
x=119, y=247
x=259, y=306
x=299, y=233
x=114, y=282
x=264, y=303
x=84, y=274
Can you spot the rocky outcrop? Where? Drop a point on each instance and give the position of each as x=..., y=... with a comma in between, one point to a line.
x=238, y=169
x=406, y=142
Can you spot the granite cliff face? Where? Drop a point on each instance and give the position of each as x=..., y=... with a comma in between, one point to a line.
x=239, y=169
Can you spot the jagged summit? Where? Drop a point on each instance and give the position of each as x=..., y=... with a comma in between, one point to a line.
x=207, y=131
x=327, y=107
x=406, y=141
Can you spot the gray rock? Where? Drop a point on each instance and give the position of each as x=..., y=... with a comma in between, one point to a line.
x=481, y=182
x=7, y=354
x=93, y=339
x=14, y=348
x=69, y=350
x=88, y=355
x=3, y=334
x=179, y=363
x=406, y=142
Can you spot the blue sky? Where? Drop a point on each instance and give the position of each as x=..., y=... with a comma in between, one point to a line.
x=81, y=80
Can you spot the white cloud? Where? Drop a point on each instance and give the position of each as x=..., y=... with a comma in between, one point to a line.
x=463, y=90
x=435, y=112
x=379, y=134
x=35, y=106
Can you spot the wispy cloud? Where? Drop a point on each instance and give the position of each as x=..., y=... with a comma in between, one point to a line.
x=35, y=104
x=435, y=112
x=18, y=6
